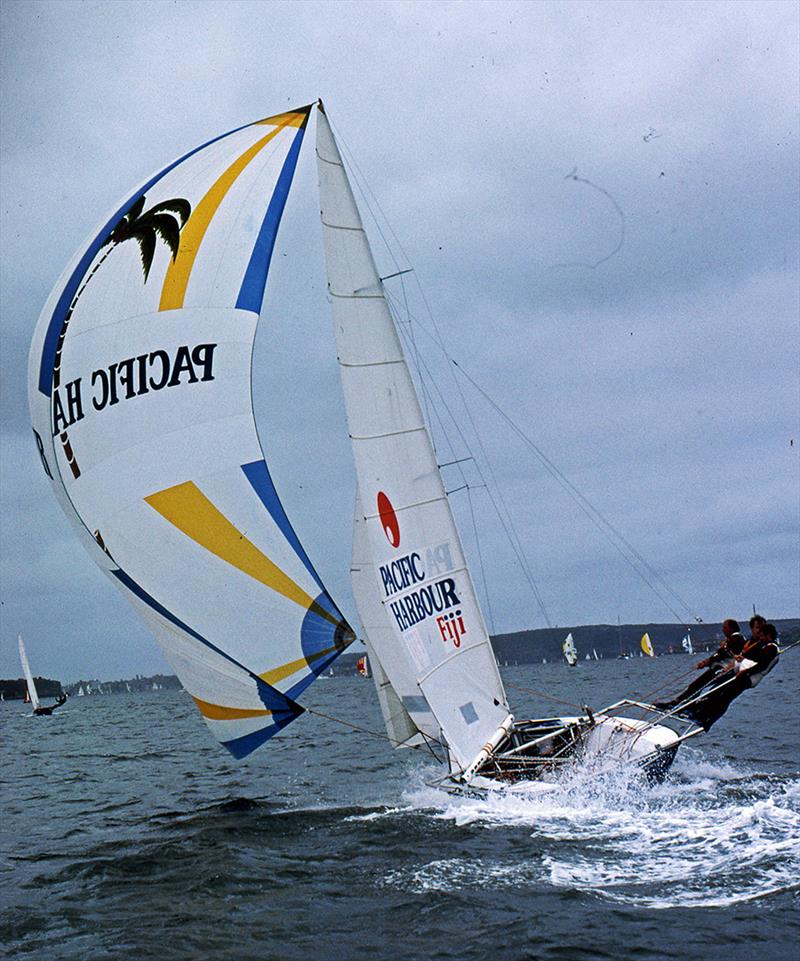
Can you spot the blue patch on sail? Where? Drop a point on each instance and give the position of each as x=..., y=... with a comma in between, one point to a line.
x=251, y=295
x=468, y=712
x=318, y=634
x=56, y=323
x=258, y=474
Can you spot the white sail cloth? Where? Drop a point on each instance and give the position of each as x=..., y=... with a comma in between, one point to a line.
x=26, y=669
x=141, y=405
x=420, y=574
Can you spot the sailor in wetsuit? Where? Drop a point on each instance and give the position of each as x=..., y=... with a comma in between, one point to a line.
x=757, y=659
x=46, y=711
x=733, y=643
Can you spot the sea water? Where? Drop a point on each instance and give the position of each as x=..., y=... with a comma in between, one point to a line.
x=128, y=833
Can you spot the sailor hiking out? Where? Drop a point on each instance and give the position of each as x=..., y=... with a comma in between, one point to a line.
x=733, y=668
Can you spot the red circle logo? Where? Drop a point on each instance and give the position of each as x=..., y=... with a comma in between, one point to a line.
x=388, y=519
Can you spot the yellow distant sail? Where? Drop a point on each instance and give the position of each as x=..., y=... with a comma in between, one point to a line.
x=647, y=645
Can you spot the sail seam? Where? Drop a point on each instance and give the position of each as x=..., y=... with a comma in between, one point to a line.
x=333, y=163
x=391, y=433
x=373, y=363
x=430, y=500
x=458, y=653
x=325, y=223
x=355, y=296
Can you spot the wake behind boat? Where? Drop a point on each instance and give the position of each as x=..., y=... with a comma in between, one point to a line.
x=140, y=395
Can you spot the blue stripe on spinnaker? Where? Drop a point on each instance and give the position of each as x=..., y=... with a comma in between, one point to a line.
x=283, y=709
x=259, y=476
x=242, y=746
x=251, y=294
x=57, y=320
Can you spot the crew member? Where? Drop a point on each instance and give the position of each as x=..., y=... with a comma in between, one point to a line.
x=45, y=711
x=732, y=644
x=756, y=660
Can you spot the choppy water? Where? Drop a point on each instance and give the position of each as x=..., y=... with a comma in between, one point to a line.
x=127, y=833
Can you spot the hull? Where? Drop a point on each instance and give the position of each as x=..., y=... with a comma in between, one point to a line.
x=538, y=750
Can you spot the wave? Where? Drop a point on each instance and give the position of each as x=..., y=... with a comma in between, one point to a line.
x=712, y=835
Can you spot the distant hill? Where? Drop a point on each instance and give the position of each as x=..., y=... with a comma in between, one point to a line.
x=610, y=640
x=16, y=689
x=520, y=647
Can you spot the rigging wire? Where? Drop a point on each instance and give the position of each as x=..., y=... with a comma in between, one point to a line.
x=622, y=545
x=597, y=518
x=505, y=520
x=379, y=734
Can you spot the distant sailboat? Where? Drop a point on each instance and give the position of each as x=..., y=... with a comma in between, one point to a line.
x=594, y=654
x=362, y=666
x=32, y=697
x=647, y=645
x=570, y=651
x=171, y=491
x=686, y=643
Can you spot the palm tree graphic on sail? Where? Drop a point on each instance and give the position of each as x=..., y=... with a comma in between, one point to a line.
x=162, y=222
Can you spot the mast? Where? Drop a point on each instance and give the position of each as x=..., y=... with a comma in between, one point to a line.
x=420, y=573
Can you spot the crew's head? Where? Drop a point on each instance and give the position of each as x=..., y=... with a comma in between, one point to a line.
x=769, y=632
x=730, y=627
x=757, y=623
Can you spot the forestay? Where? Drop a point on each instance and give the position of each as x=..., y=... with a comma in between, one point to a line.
x=141, y=404
x=420, y=575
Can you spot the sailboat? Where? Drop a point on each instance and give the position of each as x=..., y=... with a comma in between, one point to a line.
x=570, y=651
x=32, y=696
x=140, y=396
x=686, y=643
x=647, y=645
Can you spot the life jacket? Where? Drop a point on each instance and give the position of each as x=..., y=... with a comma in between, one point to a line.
x=762, y=665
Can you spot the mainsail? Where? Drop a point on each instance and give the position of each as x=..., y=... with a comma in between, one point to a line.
x=570, y=651
x=140, y=396
x=420, y=575
x=26, y=668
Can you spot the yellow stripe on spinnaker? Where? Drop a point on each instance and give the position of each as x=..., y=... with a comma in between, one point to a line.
x=290, y=119
x=177, y=278
x=217, y=712
x=286, y=670
x=188, y=508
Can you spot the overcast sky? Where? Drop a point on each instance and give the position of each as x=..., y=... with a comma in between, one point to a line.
x=638, y=320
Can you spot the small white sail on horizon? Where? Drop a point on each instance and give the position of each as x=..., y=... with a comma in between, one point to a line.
x=26, y=669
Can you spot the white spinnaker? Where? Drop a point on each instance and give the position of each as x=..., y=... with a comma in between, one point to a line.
x=26, y=669
x=430, y=600
x=144, y=421
x=404, y=708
